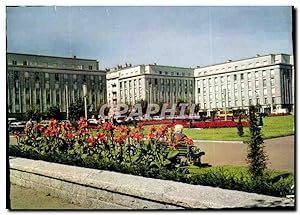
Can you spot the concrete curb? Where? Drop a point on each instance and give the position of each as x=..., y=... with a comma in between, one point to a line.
x=106, y=189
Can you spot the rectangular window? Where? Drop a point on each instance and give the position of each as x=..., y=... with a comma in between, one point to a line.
x=198, y=90
x=46, y=75
x=242, y=76
x=257, y=101
x=265, y=101
x=234, y=77
x=250, y=93
x=26, y=74
x=14, y=62
x=249, y=75
x=249, y=84
x=272, y=82
x=256, y=84
x=272, y=73
x=250, y=101
x=265, y=92
x=264, y=83
x=256, y=74
x=25, y=63
x=228, y=78
x=242, y=85
x=56, y=77
x=216, y=80
x=273, y=91
x=273, y=100
x=264, y=73
x=222, y=79
x=90, y=67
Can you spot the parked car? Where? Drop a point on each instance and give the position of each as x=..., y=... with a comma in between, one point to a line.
x=45, y=123
x=157, y=118
x=17, y=126
x=92, y=122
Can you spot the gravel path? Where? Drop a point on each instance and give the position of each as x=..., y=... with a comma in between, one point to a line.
x=280, y=153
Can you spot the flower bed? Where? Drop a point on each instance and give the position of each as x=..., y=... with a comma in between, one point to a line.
x=211, y=124
x=122, y=149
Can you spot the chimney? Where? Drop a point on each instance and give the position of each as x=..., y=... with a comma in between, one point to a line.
x=74, y=56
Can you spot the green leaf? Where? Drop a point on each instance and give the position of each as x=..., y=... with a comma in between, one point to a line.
x=166, y=162
x=172, y=154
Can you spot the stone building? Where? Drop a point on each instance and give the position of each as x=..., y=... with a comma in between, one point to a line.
x=154, y=83
x=265, y=80
x=44, y=81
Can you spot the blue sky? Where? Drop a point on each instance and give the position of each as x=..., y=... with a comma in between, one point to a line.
x=179, y=36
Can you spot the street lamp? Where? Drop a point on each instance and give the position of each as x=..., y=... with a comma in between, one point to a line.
x=67, y=102
x=225, y=104
x=84, y=96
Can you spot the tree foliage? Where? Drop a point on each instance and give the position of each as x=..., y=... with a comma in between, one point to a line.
x=33, y=114
x=76, y=109
x=256, y=155
x=240, y=127
x=53, y=112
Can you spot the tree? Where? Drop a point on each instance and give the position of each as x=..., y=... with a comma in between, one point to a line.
x=54, y=113
x=240, y=127
x=76, y=110
x=33, y=114
x=256, y=155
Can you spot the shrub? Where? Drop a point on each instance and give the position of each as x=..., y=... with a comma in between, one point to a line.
x=256, y=155
x=240, y=127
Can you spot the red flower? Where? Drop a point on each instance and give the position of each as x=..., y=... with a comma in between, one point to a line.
x=91, y=140
x=162, y=130
x=108, y=126
x=188, y=141
x=120, y=139
x=151, y=135
x=38, y=127
x=139, y=125
x=136, y=135
x=101, y=136
x=53, y=123
x=152, y=129
x=69, y=135
x=17, y=134
x=178, y=138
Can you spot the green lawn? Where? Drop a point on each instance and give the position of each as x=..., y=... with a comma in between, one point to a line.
x=273, y=127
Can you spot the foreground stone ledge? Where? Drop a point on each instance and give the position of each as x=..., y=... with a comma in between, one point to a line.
x=112, y=190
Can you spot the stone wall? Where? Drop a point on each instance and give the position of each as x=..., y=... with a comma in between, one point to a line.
x=111, y=190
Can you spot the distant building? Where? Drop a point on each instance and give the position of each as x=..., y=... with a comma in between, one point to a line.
x=45, y=81
x=265, y=80
x=154, y=83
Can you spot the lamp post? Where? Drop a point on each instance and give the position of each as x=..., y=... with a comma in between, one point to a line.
x=84, y=96
x=67, y=102
x=225, y=104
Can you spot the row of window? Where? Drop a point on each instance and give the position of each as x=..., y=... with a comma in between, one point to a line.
x=46, y=64
x=236, y=103
x=235, y=68
x=235, y=77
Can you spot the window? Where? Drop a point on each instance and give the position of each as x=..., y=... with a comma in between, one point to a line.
x=228, y=78
x=249, y=75
x=272, y=81
x=46, y=75
x=264, y=83
x=265, y=92
x=210, y=81
x=216, y=80
x=222, y=79
x=234, y=77
x=273, y=91
x=37, y=77
x=256, y=74
x=47, y=85
x=256, y=84
x=272, y=73
x=249, y=84
x=26, y=74
x=14, y=62
x=90, y=67
x=242, y=85
x=235, y=86
x=250, y=93
x=257, y=101
x=74, y=76
x=199, y=90
x=155, y=81
x=264, y=73
x=16, y=76
x=236, y=67
x=242, y=76
x=25, y=63
x=250, y=101
x=56, y=77
x=273, y=100
x=265, y=100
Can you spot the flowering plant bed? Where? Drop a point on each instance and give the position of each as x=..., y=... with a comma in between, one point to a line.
x=128, y=150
